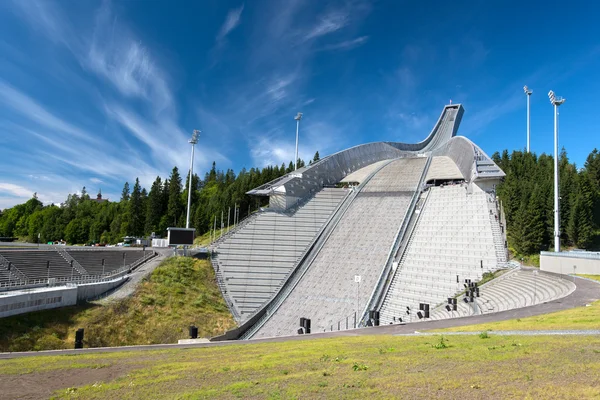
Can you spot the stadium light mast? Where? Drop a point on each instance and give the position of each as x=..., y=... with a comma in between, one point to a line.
x=528, y=93
x=193, y=141
x=556, y=101
x=298, y=117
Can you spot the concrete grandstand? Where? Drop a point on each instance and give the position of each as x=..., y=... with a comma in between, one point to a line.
x=23, y=267
x=378, y=227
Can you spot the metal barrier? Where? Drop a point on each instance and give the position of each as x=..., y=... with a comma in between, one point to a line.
x=309, y=255
x=378, y=291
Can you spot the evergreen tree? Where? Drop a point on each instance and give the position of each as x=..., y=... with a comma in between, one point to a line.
x=125, y=192
x=316, y=157
x=580, y=228
x=174, y=206
x=136, y=211
x=154, y=207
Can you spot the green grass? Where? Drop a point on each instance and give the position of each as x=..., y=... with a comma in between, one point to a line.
x=575, y=318
x=180, y=292
x=593, y=277
x=373, y=367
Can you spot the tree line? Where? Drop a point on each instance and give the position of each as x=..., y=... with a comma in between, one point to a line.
x=82, y=219
x=527, y=194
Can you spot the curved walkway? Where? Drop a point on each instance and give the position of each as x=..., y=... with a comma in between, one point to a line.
x=586, y=292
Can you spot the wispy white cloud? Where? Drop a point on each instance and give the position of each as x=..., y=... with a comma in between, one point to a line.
x=347, y=44
x=115, y=54
x=14, y=190
x=96, y=180
x=328, y=23
x=231, y=22
x=29, y=108
x=43, y=17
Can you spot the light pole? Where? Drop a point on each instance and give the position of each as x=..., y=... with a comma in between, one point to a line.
x=193, y=142
x=298, y=117
x=556, y=101
x=528, y=93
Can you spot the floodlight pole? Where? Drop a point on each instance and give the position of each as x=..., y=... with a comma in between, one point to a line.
x=193, y=142
x=528, y=92
x=298, y=117
x=556, y=101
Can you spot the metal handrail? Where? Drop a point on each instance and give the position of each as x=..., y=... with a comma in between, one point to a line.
x=387, y=269
x=82, y=279
x=296, y=275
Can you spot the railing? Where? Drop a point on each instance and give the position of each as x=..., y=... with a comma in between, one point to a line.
x=344, y=324
x=235, y=228
x=84, y=279
x=14, y=271
x=74, y=263
x=384, y=276
x=310, y=254
x=288, y=211
x=400, y=255
x=215, y=263
x=312, y=242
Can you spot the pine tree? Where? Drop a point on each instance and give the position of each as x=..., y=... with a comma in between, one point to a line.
x=136, y=211
x=316, y=157
x=174, y=205
x=580, y=228
x=534, y=223
x=154, y=208
x=125, y=192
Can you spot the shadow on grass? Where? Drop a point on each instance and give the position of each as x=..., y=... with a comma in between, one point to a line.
x=40, y=330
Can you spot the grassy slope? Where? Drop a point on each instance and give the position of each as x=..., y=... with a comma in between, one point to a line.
x=180, y=292
x=469, y=367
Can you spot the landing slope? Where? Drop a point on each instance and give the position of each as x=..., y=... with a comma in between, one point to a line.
x=359, y=245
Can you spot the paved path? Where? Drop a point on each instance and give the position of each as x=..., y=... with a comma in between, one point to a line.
x=587, y=292
x=510, y=333
x=135, y=278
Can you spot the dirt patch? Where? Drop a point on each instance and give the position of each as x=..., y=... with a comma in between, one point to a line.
x=42, y=384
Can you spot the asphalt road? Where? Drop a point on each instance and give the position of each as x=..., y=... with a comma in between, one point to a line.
x=587, y=292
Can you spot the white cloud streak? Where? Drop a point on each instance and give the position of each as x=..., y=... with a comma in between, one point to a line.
x=347, y=44
x=329, y=23
x=231, y=22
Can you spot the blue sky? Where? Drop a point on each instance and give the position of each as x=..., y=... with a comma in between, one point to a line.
x=96, y=93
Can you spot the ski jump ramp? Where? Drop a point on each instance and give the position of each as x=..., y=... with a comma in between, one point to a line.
x=332, y=243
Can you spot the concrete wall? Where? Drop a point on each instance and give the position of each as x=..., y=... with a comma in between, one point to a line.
x=20, y=302
x=92, y=290
x=570, y=262
x=28, y=300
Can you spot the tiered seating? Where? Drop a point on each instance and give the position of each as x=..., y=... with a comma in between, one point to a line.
x=359, y=245
x=254, y=261
x=451, y=242
x=91, y=260
x=497, y=232
x=517, y=289
x=33, y=263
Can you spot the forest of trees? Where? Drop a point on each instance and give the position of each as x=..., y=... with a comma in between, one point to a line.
x=81, y=219
x=527, y=194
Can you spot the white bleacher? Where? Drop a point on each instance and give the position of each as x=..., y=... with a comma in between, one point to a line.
x=452, y=241
x=515, y=289
x=359, y=245
x=253, y=262
x=31, y=265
